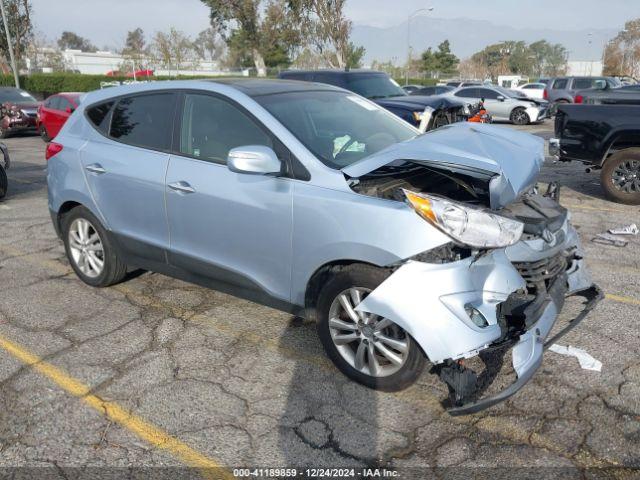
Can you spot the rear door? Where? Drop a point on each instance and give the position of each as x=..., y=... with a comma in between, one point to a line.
x=228, y=228
x=126, y=169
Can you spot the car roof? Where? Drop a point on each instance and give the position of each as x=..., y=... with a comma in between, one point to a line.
x=254, y=87
x=335, y=72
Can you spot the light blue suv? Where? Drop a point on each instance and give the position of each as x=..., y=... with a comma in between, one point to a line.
x=406, y=248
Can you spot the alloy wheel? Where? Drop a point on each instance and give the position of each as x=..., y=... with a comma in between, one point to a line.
x=371, y=344
x=520, y=117
x=86, y=248
x=626, y=176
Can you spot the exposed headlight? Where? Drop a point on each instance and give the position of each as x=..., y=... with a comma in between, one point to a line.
x=466, y=225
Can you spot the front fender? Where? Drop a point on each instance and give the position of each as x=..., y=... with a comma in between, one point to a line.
x=428, y=301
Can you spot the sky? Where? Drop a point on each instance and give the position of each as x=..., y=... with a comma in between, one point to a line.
x=105, y=22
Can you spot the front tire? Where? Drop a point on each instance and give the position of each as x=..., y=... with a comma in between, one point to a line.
x=89, y=249
x=367, y=348
x=4, y=183
x=620, y=176
x=519, y=116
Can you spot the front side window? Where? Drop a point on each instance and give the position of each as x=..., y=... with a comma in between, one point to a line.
x=337, y=127
x=144, y=120
x=212, y=126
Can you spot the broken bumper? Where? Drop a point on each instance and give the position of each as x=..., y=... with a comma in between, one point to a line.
x=432, y=302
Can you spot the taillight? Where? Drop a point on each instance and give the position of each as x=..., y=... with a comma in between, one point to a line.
x=578, y=99
x=545, y=94
x=52, y=149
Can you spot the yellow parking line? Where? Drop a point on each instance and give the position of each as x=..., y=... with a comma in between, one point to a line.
x=150, y=433
x=621, y=299
x=576, y=206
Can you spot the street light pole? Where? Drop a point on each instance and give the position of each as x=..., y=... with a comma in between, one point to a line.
x=428, y=9
x=9, y=45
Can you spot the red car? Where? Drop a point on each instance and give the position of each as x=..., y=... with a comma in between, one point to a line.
x=54, y=111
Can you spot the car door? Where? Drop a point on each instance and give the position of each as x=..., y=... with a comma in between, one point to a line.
x=47, y=114
x=229, y=229
x=499, y=109
x=126, y=169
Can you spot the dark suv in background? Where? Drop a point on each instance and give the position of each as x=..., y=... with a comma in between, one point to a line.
x=566, y=89
x=423, y=112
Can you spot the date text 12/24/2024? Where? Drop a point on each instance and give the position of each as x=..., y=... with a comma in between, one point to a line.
x=315, y=473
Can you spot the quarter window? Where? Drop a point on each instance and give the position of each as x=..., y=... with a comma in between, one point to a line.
x=212, y=126
x=144, y=120
x=99, y=115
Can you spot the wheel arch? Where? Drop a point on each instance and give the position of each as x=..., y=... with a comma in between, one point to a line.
x=320, y=274
x=620, y=140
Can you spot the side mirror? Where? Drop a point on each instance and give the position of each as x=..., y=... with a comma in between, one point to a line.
x=501, y=98
x=254, y=159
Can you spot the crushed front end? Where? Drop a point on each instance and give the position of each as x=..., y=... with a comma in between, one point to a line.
x=459, y=305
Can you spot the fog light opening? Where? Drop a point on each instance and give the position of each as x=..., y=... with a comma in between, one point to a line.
x=476, y=317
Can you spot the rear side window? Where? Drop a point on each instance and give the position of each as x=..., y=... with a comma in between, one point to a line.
x=487, y=94
x=560, y=84
x=467, y=93
x=144, y=120
x=582, y=83
x=99, y=115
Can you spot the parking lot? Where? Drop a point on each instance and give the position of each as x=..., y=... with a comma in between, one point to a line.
x=155, y=372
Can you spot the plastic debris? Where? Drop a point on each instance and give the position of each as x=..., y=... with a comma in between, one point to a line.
x=587, y=362
x=608, y=239
x=625, y=230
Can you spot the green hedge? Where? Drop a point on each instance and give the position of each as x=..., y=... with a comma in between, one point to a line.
x=45, y=84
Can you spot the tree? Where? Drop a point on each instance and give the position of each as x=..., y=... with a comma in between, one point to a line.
x=354, y=56
x=325, y=27
x=208, y=44
x=547, y=59
x=135, y=43
x=72, y=41
x=250, y=32
x=172, y=49
x=622, y=54
x=18, y=14
x=445, y=60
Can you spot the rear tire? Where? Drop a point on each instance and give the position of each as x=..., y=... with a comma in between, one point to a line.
x=4, y=183
x=371, y=335
x=620, y=176
x=89, y=249
x=519, y=116
x=43, y=134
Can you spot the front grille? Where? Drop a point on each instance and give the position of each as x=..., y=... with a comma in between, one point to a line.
x=541, y=272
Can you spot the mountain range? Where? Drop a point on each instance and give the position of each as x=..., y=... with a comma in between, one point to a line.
x=468, y=36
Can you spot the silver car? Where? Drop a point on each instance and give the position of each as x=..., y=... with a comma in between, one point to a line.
x=505, y=105
x=405, y=248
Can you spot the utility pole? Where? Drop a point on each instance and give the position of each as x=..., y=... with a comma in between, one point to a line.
x=9, y=45
x=427, y=9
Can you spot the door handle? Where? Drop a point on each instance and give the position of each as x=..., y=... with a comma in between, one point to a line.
x=95, y=168
x=182, y=186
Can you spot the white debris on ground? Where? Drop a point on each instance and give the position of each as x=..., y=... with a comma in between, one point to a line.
x=625, y=230
x=587, y=362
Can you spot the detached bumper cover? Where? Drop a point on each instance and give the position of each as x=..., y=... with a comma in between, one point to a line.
x=527, y=353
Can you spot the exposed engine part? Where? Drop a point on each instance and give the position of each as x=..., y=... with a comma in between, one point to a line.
x=538, y=274
x=388, y=181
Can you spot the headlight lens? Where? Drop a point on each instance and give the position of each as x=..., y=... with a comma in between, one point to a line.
x=466, y=225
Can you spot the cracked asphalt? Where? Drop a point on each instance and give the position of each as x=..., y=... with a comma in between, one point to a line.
x=156, y=376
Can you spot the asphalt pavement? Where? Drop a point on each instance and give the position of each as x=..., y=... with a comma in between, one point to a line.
x=158, y=377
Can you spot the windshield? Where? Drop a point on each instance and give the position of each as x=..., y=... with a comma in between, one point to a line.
x=14, y=95
x=374, y=86
x=338, y=127
x=510, y=93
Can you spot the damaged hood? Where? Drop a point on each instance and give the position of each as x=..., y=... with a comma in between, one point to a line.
x=510, y=160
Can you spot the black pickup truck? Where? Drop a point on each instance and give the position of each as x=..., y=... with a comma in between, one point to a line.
x=605, y=135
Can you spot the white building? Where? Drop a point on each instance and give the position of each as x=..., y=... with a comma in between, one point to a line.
x=92, y=63
x=585, y=68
